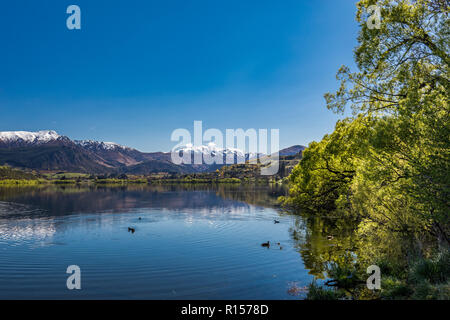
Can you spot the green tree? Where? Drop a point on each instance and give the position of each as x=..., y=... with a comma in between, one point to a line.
x=388, y=164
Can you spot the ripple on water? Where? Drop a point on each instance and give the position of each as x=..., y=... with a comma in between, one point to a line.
x=210, y=253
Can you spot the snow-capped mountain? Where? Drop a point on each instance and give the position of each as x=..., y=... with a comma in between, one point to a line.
x=96, y=145
x=16, y=138
x=212, y=150
x=47, y=150
x=113, y=153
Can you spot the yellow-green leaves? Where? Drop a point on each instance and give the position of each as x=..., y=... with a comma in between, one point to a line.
x=389, y=163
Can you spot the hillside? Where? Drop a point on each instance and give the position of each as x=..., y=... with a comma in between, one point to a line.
x=52, y=157
x=48, y=151
x=10, y=173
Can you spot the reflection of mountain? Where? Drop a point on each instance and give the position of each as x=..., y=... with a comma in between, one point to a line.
x=184, y=201
x=55, y=201
x=22, y=208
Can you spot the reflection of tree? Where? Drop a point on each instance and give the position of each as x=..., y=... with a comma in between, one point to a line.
x=340, y=250
x=323, y=242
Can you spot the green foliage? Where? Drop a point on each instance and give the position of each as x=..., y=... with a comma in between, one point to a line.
x=436, y=270
x=18, y=182
x=15, y=177
x=431, y=277
x=388, y=165
x=15, y=174
x=66, y=175
x=324, y=174
x=427, y=291
x=317, y=292
x=395, y=289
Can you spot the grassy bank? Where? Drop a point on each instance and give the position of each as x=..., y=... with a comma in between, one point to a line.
x=196, y=180
x=16, y=177
x=422, y=279
x=20, y=182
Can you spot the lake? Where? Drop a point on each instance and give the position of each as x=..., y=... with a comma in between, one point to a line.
x=190, y=242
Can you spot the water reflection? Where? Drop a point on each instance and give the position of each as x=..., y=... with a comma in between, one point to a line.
x=61, y=200
x=322, y=241
x=228, y=222
x=191, y=241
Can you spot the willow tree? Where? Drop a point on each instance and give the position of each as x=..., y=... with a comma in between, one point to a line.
x=389, y=163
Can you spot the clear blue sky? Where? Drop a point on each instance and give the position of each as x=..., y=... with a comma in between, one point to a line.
x=137, y=70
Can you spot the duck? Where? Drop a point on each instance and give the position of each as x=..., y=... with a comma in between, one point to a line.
x=276, y=221
x=265, y=244
x=140, y=218
x=132, y=230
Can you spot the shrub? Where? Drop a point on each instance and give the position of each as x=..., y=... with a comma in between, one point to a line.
x=317, y=292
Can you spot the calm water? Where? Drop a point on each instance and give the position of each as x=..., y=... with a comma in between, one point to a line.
x=192, y=242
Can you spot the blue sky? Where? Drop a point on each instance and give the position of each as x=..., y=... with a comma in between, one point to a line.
x=137, y=70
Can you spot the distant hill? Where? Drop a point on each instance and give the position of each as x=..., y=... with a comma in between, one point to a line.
x=155, y=166
x=291, y=150
x=48, y=151
x=53, y=157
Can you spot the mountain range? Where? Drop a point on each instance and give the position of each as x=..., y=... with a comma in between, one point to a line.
x=48, y=151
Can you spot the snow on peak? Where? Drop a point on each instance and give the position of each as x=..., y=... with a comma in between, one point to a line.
x=100, y=144
x=112, y=145
x=208, y=149
x=32, y=137
x=213, y=149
